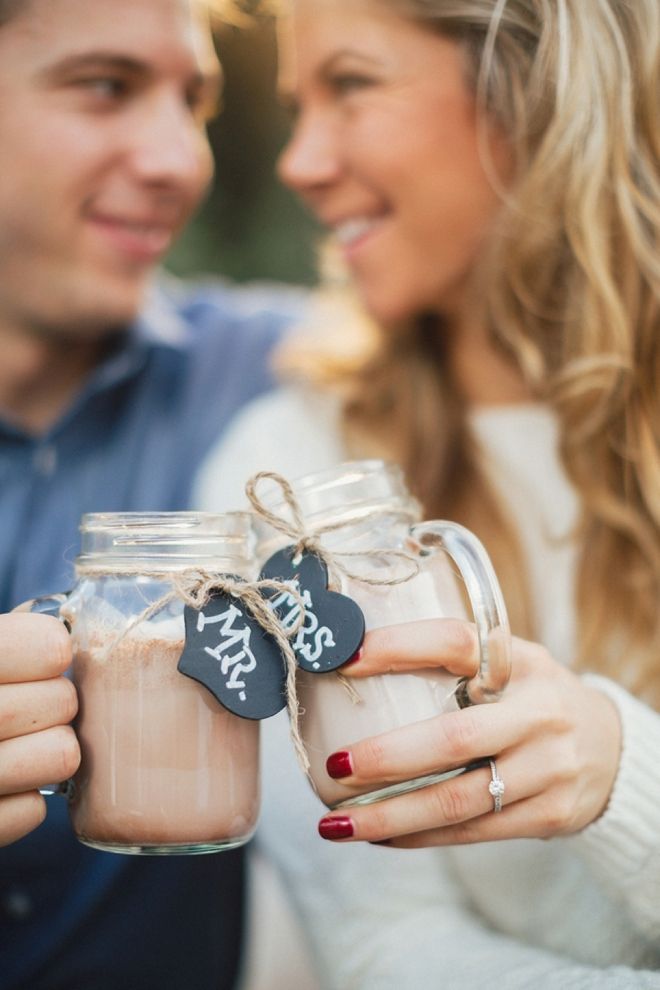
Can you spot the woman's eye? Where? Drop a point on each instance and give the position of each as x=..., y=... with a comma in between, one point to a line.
x=350, y=82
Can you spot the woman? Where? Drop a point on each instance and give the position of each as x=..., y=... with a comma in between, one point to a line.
x=489, y=172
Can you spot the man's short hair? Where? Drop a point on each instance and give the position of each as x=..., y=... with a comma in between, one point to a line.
x=224, y=9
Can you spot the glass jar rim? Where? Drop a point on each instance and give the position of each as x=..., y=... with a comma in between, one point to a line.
x=102, y=521
x=355, y=489
x=181, y=538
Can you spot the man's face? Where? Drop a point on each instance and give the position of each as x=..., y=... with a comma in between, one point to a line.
x=103, y=153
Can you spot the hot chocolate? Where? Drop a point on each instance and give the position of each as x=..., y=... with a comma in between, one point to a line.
x=164, y=766
x=333, y=719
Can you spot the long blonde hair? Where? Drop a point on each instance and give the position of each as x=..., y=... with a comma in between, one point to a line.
x=571, y=282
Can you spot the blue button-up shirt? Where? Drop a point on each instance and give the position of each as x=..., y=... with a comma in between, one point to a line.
x=72, y=918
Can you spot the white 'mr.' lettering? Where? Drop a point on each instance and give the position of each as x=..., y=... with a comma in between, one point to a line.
x=232, y=637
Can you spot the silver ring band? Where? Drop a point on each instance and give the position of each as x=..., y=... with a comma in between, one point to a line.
x=496, y=787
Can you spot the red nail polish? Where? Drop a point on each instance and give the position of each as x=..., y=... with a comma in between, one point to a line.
x=355, y=658
x=336, y=828
x=339, y=765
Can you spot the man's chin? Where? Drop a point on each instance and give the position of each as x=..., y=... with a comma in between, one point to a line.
x=95, y=313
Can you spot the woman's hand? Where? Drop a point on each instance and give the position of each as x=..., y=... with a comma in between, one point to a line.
x=556, y=741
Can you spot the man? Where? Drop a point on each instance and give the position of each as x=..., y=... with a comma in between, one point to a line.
x=110, y=395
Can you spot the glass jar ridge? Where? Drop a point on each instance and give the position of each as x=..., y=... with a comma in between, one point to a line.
x=345, y=501
x=165, y=540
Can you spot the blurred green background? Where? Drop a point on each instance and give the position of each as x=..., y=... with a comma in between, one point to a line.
x=250, y=227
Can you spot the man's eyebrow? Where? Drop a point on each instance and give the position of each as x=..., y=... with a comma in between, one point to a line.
x=210, y=80
x=105, y=59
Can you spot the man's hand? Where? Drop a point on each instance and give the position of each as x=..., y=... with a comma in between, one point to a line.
x=37, y=744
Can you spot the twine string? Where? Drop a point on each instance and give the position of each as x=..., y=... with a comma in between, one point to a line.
x=195, y=588
x=304, y=538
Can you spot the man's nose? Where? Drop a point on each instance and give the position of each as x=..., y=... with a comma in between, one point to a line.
x=171, y=149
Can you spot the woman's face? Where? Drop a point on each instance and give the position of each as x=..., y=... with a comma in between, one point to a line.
x=385, y=150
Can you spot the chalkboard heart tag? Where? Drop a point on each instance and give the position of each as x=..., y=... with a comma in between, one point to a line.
x=228, y=652
x=334, y=626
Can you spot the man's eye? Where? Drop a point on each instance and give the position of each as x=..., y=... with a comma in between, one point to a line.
x=106, y=87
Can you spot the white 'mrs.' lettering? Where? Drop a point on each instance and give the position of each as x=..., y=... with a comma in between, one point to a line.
x=286, y=600
x=322, y=637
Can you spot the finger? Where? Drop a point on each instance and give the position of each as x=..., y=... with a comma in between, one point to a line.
x=443, y=742
x=36, y=705
x=449, y=802
x=32, y=647
x=449, y=643
x=30, y=762
x=453, y=803
x=523, y=820
x=20, y=814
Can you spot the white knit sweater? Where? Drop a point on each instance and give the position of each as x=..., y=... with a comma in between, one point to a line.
x=578, y=912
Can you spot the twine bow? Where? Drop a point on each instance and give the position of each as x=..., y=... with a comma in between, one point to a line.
x=308, y=539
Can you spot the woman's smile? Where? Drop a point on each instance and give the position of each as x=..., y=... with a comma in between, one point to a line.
x=386, y=151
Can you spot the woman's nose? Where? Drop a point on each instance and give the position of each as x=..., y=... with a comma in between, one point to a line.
x=311, y=158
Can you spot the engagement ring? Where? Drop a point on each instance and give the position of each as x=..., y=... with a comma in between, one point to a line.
x=496, y=787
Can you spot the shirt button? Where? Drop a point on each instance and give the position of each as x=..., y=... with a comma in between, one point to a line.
x=17, y=905
x=45, y=460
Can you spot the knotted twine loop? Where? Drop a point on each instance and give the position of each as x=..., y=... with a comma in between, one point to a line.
x=310, y=539
x=195, y=588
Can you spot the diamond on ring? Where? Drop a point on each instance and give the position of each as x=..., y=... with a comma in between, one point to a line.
x=496, y=787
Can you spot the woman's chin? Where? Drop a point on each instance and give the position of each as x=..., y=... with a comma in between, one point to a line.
x=387, y=309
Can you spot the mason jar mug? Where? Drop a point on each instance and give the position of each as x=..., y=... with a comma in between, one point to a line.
x=165, y=767
x=400, y=570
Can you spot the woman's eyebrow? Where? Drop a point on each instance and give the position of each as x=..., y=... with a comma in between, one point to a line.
x=286, y=90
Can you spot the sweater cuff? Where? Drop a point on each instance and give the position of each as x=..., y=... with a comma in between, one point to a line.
x=619, y=844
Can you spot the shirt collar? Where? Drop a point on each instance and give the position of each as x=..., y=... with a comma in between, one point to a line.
x=160, y=323
x=159, y=326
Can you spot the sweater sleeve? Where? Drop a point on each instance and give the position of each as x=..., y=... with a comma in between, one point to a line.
x=395, y=919
x=623, y=846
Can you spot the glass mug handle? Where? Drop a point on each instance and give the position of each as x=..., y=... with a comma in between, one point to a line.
x=47, y=605
x=50, y=605
x=485, y=595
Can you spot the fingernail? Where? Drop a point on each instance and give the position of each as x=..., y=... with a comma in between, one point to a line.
x=336, y=828
x=339, y=765
x=355, y=658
